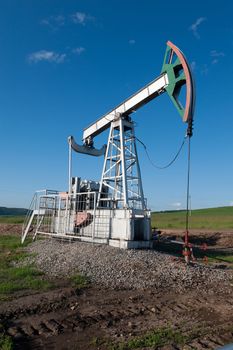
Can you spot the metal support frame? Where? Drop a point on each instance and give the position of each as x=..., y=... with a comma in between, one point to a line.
x=121, y=172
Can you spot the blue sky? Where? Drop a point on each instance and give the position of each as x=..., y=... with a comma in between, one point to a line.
x=64, y=63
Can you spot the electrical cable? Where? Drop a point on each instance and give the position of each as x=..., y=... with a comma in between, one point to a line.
x=171, y=162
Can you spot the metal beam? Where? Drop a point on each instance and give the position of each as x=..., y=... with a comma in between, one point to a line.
x=146, y=94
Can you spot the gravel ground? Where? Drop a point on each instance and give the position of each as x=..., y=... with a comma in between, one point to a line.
x=128, y=269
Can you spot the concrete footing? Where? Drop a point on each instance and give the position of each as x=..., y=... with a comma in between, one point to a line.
x=130, y=244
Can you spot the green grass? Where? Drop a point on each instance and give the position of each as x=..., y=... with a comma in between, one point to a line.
x=212, y=218
x=79, y=281
x=10, y=243
x=16, y=278
x=156, y=338
x=220, y=258
x=9, y=219
x=6, y=342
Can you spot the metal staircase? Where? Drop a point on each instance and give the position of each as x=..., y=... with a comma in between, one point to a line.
x=35, y=214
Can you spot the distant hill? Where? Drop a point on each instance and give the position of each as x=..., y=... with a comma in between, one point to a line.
x=205, y=211
x=12, y=211
x=209, y=218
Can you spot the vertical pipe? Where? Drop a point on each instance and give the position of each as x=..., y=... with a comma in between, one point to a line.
x=70, y=167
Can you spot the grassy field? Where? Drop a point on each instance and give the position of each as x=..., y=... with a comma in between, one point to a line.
x=14, y=278
x=213, y=218
x=9, y=219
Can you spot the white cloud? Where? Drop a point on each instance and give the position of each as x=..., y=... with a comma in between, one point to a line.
x=215, y=53
x=81, y=18
x=79, y=50
x=176, y=204
x=53, y=21
x=56, y=21
x=45, y=22
x=231, y=203
x=195, y=25
x=47, y=56
x=132, y=41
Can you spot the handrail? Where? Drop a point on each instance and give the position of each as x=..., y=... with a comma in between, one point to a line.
x=31, y=207
x=34, y=205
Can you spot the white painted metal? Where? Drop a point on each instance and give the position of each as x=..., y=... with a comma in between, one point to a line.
x=34, y=213
x=121, y=172
x=94, y=217
x=59, y=216
x=24, y=235
x=134, y=102
x=123, y=165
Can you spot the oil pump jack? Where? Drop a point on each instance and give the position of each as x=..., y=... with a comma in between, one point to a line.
x=114, y=210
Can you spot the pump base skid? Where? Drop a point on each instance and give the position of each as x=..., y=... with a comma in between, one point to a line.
x=76, y=217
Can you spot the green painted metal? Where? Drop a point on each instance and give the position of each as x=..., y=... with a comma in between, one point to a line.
x=176, y=78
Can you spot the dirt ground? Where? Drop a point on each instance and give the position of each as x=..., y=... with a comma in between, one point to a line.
x=94, y=317
x=216, y=240
x=10, y=228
